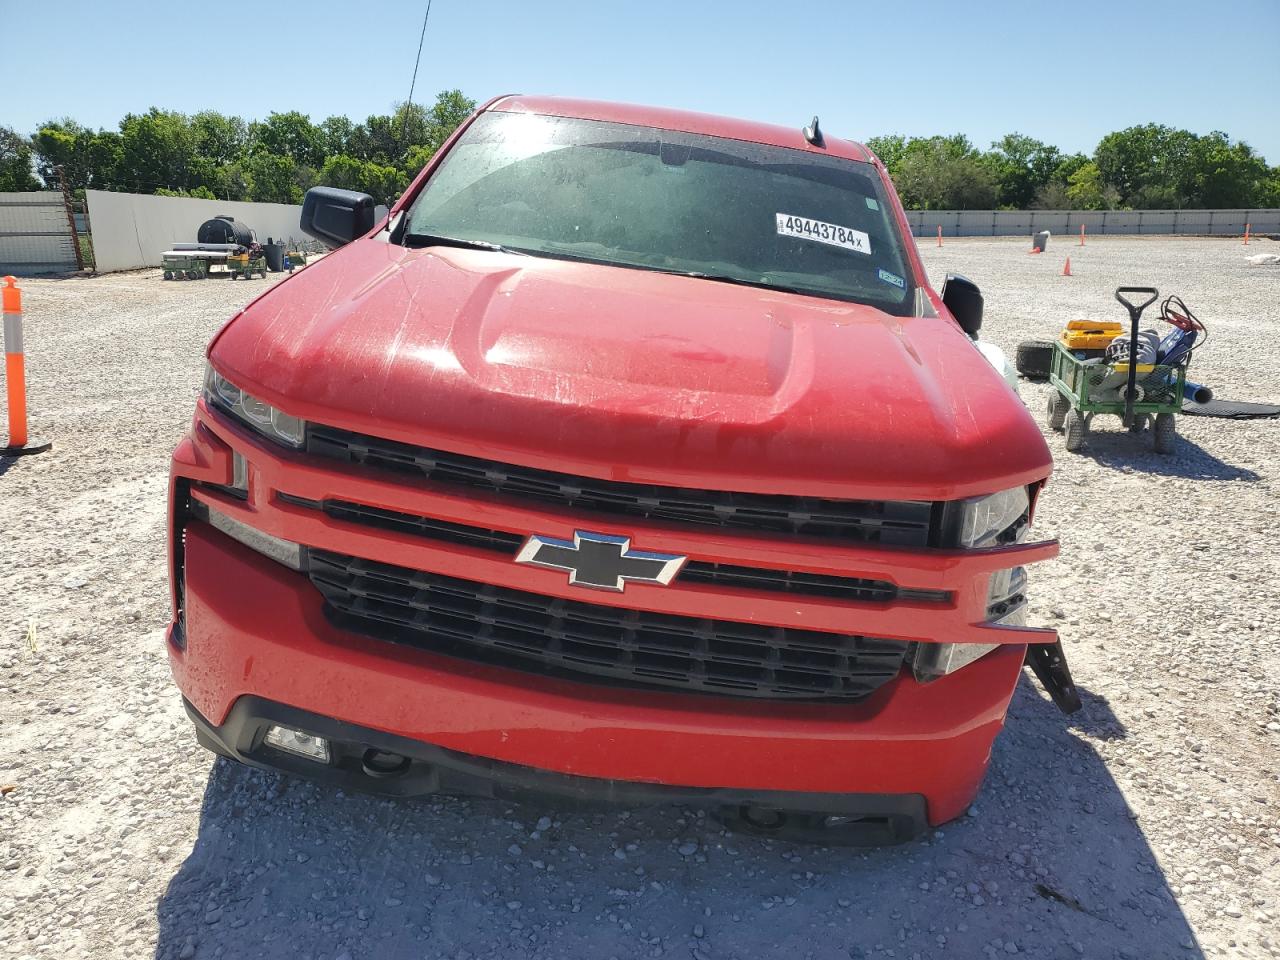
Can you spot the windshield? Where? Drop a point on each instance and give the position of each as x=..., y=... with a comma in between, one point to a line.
x=683, y=203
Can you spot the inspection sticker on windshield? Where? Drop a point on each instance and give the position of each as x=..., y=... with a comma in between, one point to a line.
x=817, y=230
x=893, y=278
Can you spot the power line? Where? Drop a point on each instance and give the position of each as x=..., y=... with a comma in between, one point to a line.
x=417, y=60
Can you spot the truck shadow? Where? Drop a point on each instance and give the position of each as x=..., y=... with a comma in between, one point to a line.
x=1050, y=860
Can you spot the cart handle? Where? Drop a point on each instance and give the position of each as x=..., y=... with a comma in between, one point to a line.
x=1135, y=310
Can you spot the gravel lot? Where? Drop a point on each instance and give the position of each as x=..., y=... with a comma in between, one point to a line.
x=1147, y=826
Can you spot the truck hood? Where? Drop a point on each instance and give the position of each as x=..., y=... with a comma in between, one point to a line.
x=633, y=375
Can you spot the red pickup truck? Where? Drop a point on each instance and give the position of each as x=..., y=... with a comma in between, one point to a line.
x=630, y=457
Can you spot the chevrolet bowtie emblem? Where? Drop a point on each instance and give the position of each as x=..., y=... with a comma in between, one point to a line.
x=599, y=560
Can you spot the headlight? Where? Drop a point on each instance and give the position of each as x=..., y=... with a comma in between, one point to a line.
x=991, y=521
x=995, y=519
x=252, y=412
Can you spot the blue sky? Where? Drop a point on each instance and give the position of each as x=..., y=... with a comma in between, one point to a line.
x=1066, y=72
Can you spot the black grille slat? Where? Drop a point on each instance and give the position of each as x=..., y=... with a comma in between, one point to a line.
x=901, y=523
x=585, y=640
x=852, y=589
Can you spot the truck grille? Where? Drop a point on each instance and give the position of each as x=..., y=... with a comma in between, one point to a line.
x=898, y=523
x=527, y=631
x=852, y=589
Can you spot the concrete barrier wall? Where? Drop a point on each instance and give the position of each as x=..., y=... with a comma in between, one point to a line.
x=1023, y=223
x=131, y=230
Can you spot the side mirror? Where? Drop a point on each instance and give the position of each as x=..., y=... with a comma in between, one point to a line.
x=962, y=297
x=335, y=217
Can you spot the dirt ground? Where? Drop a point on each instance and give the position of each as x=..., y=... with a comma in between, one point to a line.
x=1146, y=826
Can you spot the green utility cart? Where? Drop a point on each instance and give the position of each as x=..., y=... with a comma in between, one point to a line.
x=178, y=266
x=246, y=267
x=1140, y=394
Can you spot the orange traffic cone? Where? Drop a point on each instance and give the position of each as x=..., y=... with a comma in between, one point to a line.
x=1066, y=268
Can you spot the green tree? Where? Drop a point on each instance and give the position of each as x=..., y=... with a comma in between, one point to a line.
x=1052, y=196
x=335, y=133
x=88, y=159
x=377, y=141
x=291, y=135
x=277, y=159
x=388, y=140
x=1086, y=190
x=1068, y=166
x=890, y=149
x=1022, y=166
x=1151, y=165
x=157, y=149
x=1269, y=189
x=219, y=139
x=15, y=162
x=383, y=183
x=446, y=115
x=944, y=173
x=201, y=192
x=272, y=178
x=1227, y=175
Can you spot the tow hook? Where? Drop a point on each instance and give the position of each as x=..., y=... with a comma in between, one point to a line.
x=1049, y=663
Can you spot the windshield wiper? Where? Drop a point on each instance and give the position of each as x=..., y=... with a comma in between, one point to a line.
x=431, y=240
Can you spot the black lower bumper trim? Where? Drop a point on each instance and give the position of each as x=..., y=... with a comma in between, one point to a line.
x=372, y=761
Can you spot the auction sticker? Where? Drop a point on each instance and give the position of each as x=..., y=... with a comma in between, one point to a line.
x=821, y=232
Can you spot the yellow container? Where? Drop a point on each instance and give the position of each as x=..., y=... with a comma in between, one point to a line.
x=1090, y=334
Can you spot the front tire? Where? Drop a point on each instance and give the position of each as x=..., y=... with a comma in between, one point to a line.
x=1056, y=414
x=1076, y=428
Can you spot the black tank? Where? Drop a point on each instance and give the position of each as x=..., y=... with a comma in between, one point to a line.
x=224, y=230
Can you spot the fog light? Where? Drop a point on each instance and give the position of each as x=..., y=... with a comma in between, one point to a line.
x=295, y=741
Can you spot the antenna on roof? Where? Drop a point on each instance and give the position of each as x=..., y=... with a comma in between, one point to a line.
x=813, y=133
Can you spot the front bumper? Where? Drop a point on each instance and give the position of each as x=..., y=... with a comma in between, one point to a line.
x=256, y=629
x=359, y=761
x=254, y=632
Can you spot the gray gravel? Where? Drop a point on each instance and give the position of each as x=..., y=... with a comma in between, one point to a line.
x=1145, y=827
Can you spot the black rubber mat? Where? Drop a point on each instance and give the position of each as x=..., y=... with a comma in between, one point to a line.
x=1231, y=409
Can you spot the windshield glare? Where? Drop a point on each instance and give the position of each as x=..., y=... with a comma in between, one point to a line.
x=655, y=199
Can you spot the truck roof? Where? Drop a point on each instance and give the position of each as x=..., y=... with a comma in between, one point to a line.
x=685, y=121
